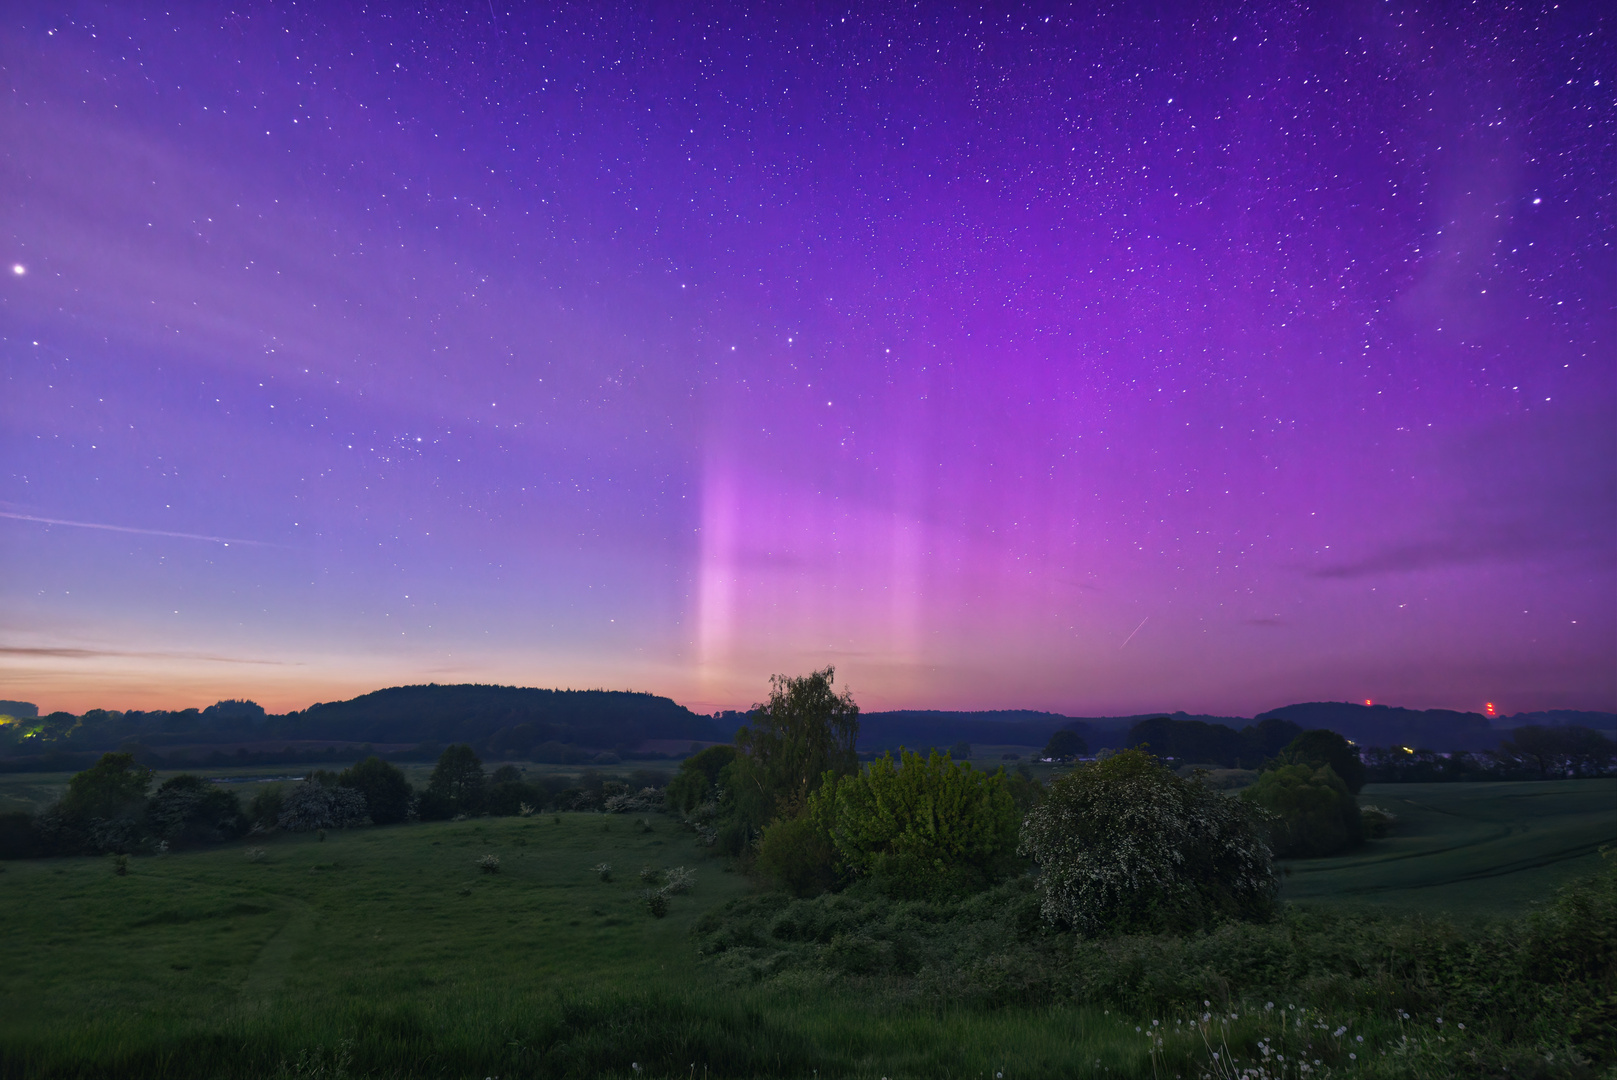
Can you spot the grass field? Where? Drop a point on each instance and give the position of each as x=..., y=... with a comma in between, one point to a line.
x=387, y=952
x=1468, y=849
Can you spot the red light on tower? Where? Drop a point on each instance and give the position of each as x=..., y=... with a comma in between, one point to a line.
x=1490, y=709
x=1367, y=701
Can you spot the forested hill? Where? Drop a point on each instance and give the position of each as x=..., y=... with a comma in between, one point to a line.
x=499, y=717
x=1382, y=725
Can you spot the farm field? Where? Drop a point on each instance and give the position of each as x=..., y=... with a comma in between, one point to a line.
x=1468, y=848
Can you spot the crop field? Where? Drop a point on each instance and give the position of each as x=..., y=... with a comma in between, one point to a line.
x=1468, y=848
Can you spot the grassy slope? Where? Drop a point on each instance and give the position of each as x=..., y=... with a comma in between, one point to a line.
x=204, y=963
x=1469, y=849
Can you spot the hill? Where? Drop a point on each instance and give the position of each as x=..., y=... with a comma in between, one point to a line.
x=1383, y=725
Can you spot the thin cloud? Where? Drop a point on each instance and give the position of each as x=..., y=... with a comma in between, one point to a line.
x=52, y=652
x=226, y=540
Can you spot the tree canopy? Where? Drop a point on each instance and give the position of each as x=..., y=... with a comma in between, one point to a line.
x=805, y=731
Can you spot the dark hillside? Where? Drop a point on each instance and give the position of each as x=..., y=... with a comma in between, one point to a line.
x=498, y=718
x=1382, y=725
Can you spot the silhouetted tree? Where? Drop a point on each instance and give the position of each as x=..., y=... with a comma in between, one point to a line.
x=805, y=730
x=1064, y=746
x=456, y=785
x=387, y=793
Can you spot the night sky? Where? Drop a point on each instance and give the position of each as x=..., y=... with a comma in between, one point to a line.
x=1200, y=356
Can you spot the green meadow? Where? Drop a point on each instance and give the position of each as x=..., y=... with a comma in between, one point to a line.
x=1468, y=848
x=390, y=952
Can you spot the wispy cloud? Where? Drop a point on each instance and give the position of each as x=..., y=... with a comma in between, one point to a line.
x=61, y=653
x=226, y=540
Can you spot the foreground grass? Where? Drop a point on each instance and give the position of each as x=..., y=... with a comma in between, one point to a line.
x=386, y=952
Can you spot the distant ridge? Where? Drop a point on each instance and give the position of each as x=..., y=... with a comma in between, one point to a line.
x=499, y=718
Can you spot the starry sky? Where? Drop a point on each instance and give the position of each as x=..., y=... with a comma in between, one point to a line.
x=1166, y=356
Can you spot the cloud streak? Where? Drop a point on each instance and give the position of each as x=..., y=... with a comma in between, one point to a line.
x=225, y=540
x=55, y=653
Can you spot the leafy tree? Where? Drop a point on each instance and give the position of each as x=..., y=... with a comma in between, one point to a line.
x=1065, y=745
x=188, y=810
x=1126, y=846
x=1557, y=750
x=960, y=751
x=264, y=811
x=920, y=827
x=1314, y=812
x=387, y=793
x=114, y=787
x=1322, y=747
x=456, y=784
x=698, y=778
x=805, y=731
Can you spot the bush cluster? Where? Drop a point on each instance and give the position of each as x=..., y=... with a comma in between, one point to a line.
x=109, y=808
x=1550, y=977
x=1127, y=846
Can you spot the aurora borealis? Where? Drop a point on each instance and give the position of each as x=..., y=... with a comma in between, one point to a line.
x=1213, y=357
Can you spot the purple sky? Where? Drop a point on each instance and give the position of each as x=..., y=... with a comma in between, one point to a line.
x=1092, y=363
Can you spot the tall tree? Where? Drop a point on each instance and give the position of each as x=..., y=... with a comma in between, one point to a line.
x=805, y=730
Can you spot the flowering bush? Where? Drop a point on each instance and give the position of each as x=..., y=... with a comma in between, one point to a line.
x=638, y=802
x=314, y=807
x=1126, y=846
x=489, y=864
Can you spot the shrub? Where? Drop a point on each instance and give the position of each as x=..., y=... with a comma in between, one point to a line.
x=656, y=902
x=697, y=778
x=1314, y=813
x=489, y=864
x=387, y=793
x=1376, y=821
x=265, y=808
x=679, y=880
x=18, y=840
x=797, y=855
x=313, y=807
x=506, y=799
x=188, y=810
x=1127, y=846
x=919, y=827
x=604, y=871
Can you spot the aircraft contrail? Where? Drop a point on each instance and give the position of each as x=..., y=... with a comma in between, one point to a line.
x=226, y=540
x=1136, y=631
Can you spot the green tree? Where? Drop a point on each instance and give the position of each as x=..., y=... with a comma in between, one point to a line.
x=387, y=793
x=188, y=810
x=113, y=787
x=804, y=732
x=456, y=784
x=1065, y=745
x=1322, y=747
x=1314, y=812
x=698, y=778
x=1126, y=846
